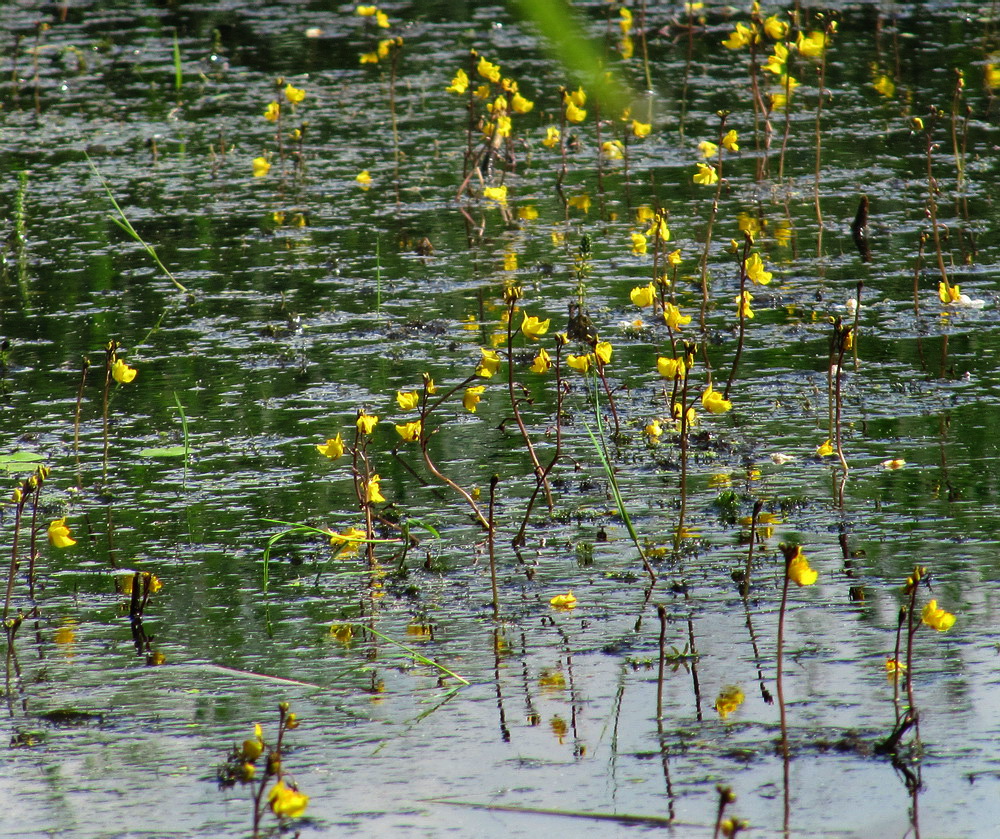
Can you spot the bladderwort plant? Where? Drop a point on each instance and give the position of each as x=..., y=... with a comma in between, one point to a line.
x=532, y=329
x=25, y=496
x=841, y=340
x=259, y=766
x=386, y=50
x=926, y=129
x=712, y=175
x=542, y=363
x=115, y=369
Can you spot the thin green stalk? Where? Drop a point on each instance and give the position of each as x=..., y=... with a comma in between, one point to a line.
x=122, y=221
x=416, y=656
x=613, y=481
x=187, y=438
x=178, y=70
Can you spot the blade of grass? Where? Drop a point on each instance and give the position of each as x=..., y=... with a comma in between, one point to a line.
x=600, y=448
x=416, y=656
x=187, y=442
x=122, y=221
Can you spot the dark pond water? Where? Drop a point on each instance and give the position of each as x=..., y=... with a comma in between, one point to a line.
x=312, y=296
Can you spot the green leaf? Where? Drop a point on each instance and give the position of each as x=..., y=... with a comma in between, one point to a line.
x=164, y=451
x=20, y=461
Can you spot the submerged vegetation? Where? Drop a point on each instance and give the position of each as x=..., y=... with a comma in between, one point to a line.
x=531, y=409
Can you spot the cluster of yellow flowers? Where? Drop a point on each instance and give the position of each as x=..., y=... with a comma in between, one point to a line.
x=272, y=113
x=384, y=45
x=708, y=174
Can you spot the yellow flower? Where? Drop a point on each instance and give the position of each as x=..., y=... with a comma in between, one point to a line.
x=488, y=364
x=482, y=92
x=706, y=175
x=580, y=202
x=708, y=148
x=351, y=539
x=692, y=414
x=407, y=401
x=542, y=362
x=743, y=302
x=731, y=140
x=332, y=448
x=488, y=70
x=893, y=668
x=384, y=46
x=287, y=802
x=775, y=28
x=472, y=397
x=603, y=352
x=777, y=63
x=671, y=368
x=641, y=129
x=653, y=429
x=937, y=618
x=366, y=11
x=260, y=167
x=551, y=137
x=729, y=699
x=811, y=45
x=626, y=20
x=897, y=463
x=382, y=20
x=563, y=601
x=578, y=97
x=271, y=112
x=122, y=373
x=948, y=293
x=674, y=257
x=673, y=318
x=580, y=363
x=643, y=295
x=755, y=270
x=369, y=58
x=294, y=94
x=527, y=213
x=460, y=83
x=373, y=490
x=496, y=193
x=799, y=570
x=778, y=101
x=520, y=105
x=534, y=328
x=613, y=149
x=410, y=431
x=713, y=402
x=659, y=228
x=59, y=534
x=366, y=423
x=429, y=384
x=824, y=449
x=573, y=113
x=884, y=86
x=364, y=179
x=740, y=37
x=991, y=76
x=638, y=243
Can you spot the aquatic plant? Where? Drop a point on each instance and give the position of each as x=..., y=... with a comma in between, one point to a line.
x=259, y=766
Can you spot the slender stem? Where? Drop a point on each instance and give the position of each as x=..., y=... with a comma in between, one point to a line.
x=661, y=613
x=491, y=541
x=540, y=473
